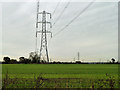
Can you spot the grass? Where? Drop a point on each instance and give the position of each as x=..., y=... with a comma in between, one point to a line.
x=84, y=75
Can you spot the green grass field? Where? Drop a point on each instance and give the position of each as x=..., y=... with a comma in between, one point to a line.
x=85, y=72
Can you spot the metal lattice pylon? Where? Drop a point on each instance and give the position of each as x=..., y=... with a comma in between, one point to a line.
x=43, y=44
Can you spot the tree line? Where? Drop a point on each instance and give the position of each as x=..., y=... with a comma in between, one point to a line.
x=34, y=58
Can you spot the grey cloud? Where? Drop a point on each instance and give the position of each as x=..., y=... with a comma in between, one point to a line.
x=94, y=33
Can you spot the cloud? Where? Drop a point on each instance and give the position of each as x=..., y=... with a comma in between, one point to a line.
x=93, y=34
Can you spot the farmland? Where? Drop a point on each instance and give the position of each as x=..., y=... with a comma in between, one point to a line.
x=61, y=75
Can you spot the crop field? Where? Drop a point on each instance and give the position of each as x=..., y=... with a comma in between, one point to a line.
x=60, y=75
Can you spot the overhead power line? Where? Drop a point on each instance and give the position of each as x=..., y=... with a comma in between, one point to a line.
x=74, y=18
x=36, y=25
x=56, y=8
x=62, y=12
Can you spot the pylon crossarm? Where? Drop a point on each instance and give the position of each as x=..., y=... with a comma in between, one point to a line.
x=44, y=32
x=40, y=13
x=50, y=24
x=49, y=14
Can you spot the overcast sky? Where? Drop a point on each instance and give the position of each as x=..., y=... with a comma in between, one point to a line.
x=94, y=33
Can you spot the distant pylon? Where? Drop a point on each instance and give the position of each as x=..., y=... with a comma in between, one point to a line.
x=43, y=45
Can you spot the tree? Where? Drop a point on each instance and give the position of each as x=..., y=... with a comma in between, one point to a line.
x=34, y=57
x=27, y=61
x=22, y=60
x=78, y=62
x=7, y=60
x=13, y=61
x=113, y=60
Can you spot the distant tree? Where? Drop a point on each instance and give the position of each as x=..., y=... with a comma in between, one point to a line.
x=13, y=61
x=78, y=62
x=22, y=60
x=113, y=60
x=43, y=61
x=6, y=60
x=34, y=57
x=27, y=61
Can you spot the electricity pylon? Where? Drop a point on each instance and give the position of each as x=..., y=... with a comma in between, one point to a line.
x=43, y=45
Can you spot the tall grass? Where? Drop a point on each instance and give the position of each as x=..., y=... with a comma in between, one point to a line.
x=40, y=82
